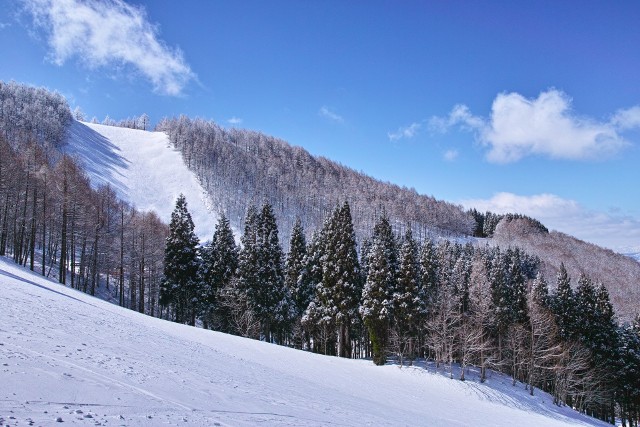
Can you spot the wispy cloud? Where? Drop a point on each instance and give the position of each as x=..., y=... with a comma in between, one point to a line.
x=110, y=33
x=450, y=155
x=519, y=127
x=614, y=230
x=406, y=132
x=4, y=25
x=329, y=114
x=234, y=120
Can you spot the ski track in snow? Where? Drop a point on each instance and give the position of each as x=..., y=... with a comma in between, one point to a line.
x=67, y=355
x=144, y=170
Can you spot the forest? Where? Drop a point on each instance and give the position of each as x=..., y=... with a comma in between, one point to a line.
x=240, y=167
x=392, y=298
x=358, y=274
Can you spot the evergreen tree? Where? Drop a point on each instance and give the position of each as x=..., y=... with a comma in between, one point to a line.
x=428, y=273
x=383, y=232
x=248, y=281
x=540, y=291
x=376, y=305
x=219, y=264
x=517, y=289
x=299, y=287
x=408, y=299
x=337, y=295
x=563, y=305
x=274, y=301
x=261, y=274
x=179, y=288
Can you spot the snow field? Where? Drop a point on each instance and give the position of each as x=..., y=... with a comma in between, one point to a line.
x=144, y=170
x=69, y=356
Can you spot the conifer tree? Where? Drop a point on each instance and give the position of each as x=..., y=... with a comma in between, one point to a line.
x=179, y=288
x=274, y=303
x=295, y=278
x=377, y=304
x=408, y=299
x=428, y=273
x=563, y=305
x=219, y=264
x=247, y=274
x=337, y=295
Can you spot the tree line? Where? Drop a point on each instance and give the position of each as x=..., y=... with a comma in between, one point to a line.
x=393, y=296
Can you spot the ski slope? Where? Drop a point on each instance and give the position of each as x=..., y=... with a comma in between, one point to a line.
x=144, y=170
x=68, y=357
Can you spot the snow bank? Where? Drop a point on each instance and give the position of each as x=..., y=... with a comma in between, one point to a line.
x=65, y=355
x=143, y=169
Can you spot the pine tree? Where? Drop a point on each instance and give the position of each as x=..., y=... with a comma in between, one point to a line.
x=376, y=307
x=248, y=281
x=180, y=286
x=337, y=296
x=408, y=299
x=540, y=291
x=219, y=264
x=383, y=232
x=296, y=281
x=274, y=304
x=563, y=305
x=428, y=273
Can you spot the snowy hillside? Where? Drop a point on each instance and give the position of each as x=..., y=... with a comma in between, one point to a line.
x=143, y=169
x=67, y=356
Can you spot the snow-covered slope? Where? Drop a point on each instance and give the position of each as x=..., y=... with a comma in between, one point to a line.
x=68, y=356
x=143, y=169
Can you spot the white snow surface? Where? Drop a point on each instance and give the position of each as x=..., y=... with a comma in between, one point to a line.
x=71, y=357
x=144, y=170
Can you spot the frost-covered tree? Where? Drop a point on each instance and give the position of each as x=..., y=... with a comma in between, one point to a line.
x=337, y=294
x=274, y=304
x=295, y=277
x=180, y=287
x=219, y=264
x=261, y=275
x=564, y=305
x=409, y=307
x=377, y=303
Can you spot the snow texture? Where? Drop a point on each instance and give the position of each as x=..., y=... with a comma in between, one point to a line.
x=71, y=357
x=144, y=170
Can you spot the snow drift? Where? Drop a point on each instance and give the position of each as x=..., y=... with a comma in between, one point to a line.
x=74, y=358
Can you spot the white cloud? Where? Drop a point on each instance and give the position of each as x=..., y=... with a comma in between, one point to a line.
x=519, y=127
x=627, y=119
x=612, y=230
x=450, y=155
x=405, y=132
x=331, y=115
x=234, y=120
x=110, y=33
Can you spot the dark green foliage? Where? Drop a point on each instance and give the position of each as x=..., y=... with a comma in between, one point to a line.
x=180, y=286
x=219, y=264
x=261, y=274
x=377, y=303
x=336, y=298
x=296, y=278
x=408, y=298
x=540, y=291
x=563, y=305
x=428, y=273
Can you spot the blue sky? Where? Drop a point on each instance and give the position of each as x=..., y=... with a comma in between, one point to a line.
x=500, y=105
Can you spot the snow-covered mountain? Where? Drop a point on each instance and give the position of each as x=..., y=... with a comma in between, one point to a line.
x=143, y=169
x=72, y=358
